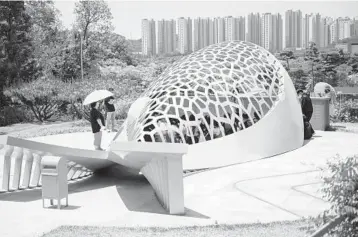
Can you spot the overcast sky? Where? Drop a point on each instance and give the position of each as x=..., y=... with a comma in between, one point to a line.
x=127, y=15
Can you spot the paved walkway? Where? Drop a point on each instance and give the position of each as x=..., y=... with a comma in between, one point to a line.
x=283, y=187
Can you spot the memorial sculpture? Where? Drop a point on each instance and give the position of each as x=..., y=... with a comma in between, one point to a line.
x=233, y=97
x=323, y=89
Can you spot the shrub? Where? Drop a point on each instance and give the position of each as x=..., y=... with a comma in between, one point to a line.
x=346, y=112
x=122, y=108
x=126, y=84
x=42, y=97
x=48, y=97
x=341, y=190
x=14, y=114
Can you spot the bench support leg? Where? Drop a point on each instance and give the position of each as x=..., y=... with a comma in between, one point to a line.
x=166, y=177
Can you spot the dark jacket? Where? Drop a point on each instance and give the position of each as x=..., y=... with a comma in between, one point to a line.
x=306, y=104
x=94, y=115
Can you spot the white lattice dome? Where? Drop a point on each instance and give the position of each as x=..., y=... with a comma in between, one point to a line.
x=233, y=93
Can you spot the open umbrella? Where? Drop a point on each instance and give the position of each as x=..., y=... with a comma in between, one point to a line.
x=97, y=95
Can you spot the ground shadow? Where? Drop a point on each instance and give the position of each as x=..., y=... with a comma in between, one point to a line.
x=139, y=196
x=63, y=207
x=333, y=128
x=97, y=181
x=134, y=190
x=305, y=142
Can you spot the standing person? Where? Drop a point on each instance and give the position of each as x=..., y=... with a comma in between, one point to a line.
x=329, y=94
x=110, y=111
x=217, y=131
x=299, y=95
x=97, y=124
x=307, y=108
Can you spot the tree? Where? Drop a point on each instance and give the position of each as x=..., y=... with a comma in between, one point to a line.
x=45, y=33
x=16, y=60
x=353, y=62
x=286, y=55
x=312, y=54
x=92, y=15
x=93, y=21
x=299, y=78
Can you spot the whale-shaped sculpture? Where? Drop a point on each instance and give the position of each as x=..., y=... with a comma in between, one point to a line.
x=231, y=101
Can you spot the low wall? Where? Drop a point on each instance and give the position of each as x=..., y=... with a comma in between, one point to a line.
x=320, y=116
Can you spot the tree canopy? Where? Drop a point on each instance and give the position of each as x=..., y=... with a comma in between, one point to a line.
x=16, y=50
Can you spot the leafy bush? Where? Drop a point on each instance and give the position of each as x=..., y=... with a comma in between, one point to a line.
x=47, y=97
x=122, y=108
x=15, y=114
x=42, y=96
x=341, y=190
x=346, y=112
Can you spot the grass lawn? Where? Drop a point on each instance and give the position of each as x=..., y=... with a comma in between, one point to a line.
x=277, y=229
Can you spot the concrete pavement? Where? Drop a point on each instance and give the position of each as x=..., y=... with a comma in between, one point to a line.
x=283, y=187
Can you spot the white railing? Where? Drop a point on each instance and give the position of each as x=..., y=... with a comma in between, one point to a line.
x=22, y=161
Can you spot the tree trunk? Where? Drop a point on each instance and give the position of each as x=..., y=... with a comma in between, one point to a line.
x=288, y=64
x=36, y=116
x=85, y=33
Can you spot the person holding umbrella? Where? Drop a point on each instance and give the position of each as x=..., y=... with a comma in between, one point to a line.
x=97, y=124
x=96, y=118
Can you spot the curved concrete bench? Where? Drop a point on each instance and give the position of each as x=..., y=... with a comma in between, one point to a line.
x=160, y=163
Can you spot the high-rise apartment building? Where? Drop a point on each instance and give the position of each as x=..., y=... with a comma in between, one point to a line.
x=293, y=29
x=277, y=38
x=271, y=32
x=219, y=29
x=166, y=36
x=312, y=30
x=344, y=28
x=354, y=30
x=148, y=37
x=324, y=32
x=240, y=28
x=333, y=32
x=211, y=29
x=341, y=28
x=198, y=34
x=307, y=30
x=266, y=31
x=230, y=28
x=201, y=34
x=317, y=29
x=254, y=28
x=206, y=32
x=160, y=37
x=184, y=35
x=190, y=35
x=234, y=28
